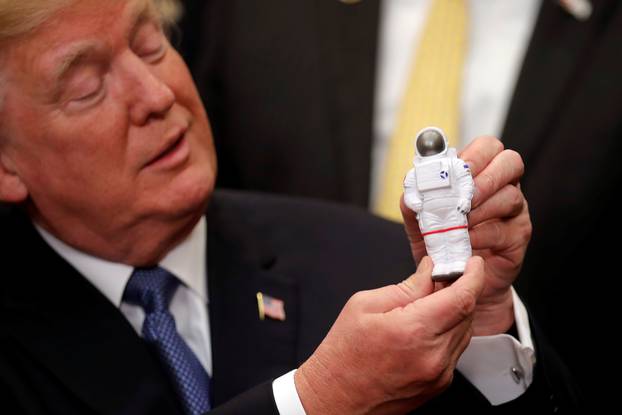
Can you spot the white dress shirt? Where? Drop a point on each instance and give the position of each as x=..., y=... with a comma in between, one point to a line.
x=189, y=305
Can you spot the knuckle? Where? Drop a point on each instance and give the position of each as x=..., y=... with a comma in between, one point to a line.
x=417, y=331
x=516, y=198
x=497, y=143
x=516, y=161
x=465, y=301
x=526, y=232
x=433, y=368
x=405, y=288
x=478, y=261
x=426, y=374
x=357, y=300
x=499, y=235
x=489, y=182
x=491, y=141
x=418, y=327
x=445, y=379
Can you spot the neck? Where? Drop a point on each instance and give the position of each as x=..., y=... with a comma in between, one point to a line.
x=141, y=245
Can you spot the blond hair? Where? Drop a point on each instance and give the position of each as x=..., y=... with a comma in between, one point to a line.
x=18, y=17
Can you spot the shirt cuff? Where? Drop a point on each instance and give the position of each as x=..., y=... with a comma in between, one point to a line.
x=286, y=395
x=500, y=366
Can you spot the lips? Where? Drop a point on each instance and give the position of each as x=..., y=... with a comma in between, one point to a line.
x=174, y=150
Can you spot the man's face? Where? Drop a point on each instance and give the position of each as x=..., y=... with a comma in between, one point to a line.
x=103, y=126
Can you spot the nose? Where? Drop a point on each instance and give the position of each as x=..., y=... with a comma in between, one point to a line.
x=150, y=96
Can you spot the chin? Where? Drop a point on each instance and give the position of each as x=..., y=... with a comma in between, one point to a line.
x=190, y=192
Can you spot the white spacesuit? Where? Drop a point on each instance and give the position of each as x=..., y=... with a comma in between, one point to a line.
x=439, y=189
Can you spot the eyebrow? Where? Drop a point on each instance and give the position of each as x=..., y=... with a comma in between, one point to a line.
x=141, y=11
x=72, y=58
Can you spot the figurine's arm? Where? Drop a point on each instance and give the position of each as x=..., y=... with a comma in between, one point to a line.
x=412, y=197
x=465, y=183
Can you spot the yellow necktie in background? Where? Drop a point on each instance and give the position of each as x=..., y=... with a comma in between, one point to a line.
x=432, y=97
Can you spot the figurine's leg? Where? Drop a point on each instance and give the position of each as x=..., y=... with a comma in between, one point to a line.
x=436, y=247
x=435, y=243
x=459, y=251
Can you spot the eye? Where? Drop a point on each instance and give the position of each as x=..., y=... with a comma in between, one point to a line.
x=149, y=42
x=85, y=92
x=90, y=90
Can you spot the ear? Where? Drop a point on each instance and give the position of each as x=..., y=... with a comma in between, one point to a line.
x=12, y=188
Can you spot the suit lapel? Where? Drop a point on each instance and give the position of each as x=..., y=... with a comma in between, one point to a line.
x=67, y=325
x=558, y=50
x=87, y=345
x=347, y=36
x=247, y=351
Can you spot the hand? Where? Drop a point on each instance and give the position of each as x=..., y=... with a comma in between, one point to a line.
x=500, y=229
x=464, y=206
x=392, y=349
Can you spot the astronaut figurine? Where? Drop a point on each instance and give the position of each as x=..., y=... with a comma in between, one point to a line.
x=439, y=189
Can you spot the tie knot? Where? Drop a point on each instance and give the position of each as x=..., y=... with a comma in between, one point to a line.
x=151, y=288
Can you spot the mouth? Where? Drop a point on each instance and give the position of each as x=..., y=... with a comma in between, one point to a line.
x=174, y=153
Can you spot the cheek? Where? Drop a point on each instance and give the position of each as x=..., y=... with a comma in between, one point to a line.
x=180, y=81
x=63, y=154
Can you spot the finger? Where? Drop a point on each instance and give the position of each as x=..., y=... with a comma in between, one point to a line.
x=501, y=235
x=445, y=309
x=387, y=298
x=507, y=202
x=420, y=283
x=480, y=152
x=507, y=167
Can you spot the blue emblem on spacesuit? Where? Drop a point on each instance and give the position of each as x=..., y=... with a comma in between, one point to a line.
x=444, y=174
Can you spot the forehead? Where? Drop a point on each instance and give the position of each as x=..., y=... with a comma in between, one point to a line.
x=82, y=23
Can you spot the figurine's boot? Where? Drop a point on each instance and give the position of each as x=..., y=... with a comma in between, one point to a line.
x=442, y=272
x=459, y=252
x=456, y=269
x=436, y=247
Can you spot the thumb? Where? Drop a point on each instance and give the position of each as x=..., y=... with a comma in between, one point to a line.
x=412, y=288
x=448, y=307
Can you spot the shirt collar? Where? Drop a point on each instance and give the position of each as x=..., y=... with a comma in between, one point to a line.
x=187, y=261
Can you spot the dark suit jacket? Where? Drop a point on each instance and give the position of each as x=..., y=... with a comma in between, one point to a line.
x=289, y=88
x=65, y=349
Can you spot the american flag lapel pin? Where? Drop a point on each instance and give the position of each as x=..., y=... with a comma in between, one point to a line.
x=270, y=307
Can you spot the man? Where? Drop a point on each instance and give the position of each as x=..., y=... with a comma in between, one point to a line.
x=300, y=96
x=107, y=152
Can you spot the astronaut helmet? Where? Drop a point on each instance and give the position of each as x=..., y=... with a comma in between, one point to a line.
x=431, y=141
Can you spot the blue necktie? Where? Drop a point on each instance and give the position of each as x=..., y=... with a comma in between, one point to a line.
x=152, y=289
